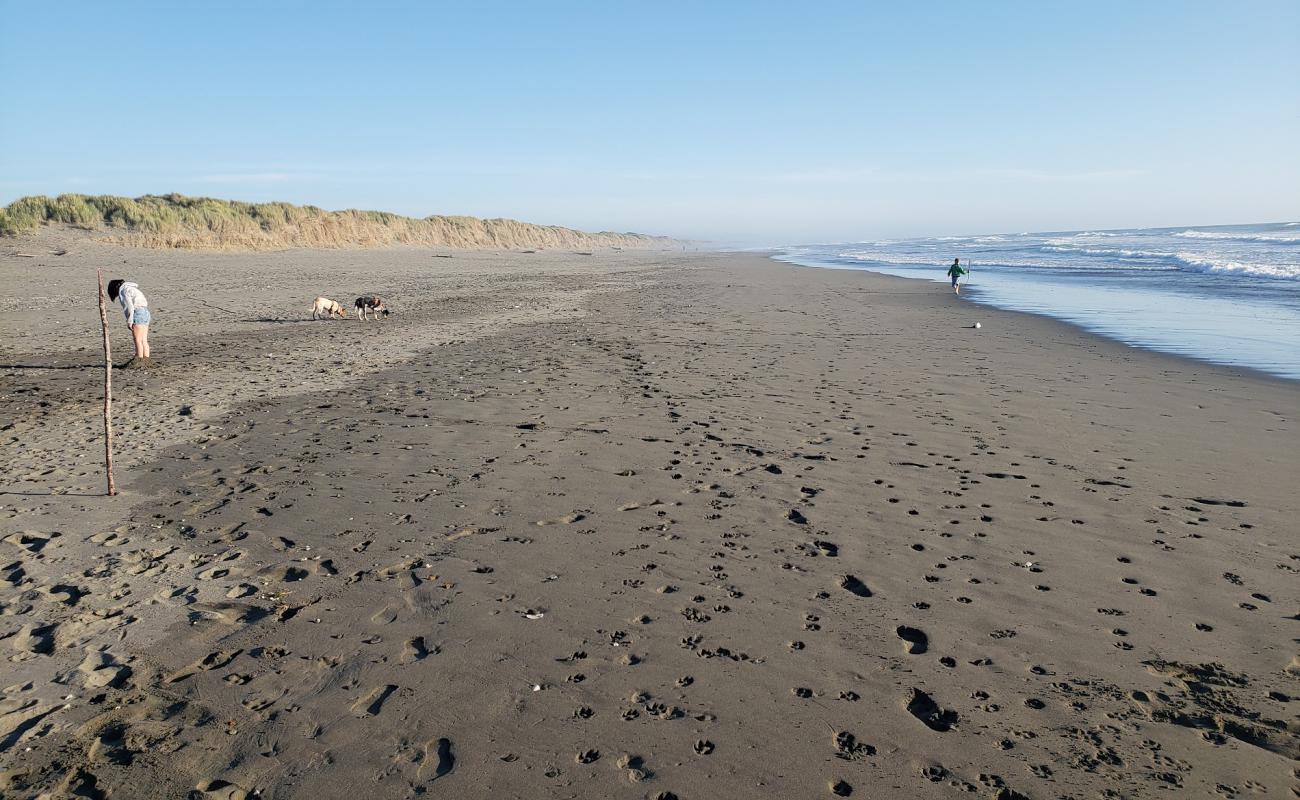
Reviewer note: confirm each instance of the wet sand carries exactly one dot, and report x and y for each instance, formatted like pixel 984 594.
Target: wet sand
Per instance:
pixel 633 525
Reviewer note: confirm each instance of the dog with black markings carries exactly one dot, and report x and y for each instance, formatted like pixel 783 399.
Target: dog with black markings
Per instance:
pixel 369 303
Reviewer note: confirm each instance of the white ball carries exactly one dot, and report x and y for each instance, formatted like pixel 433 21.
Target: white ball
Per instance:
pixel 977 324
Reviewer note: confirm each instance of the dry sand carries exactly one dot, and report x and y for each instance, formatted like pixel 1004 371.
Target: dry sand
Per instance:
pixel 640 525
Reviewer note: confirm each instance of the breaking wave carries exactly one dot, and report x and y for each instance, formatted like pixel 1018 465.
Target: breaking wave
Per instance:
pixel 1239 237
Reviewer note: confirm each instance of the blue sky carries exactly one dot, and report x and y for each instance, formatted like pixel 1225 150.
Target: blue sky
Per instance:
pixel 751 122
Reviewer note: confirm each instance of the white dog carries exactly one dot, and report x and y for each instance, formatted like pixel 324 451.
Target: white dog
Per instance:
pixel 325 308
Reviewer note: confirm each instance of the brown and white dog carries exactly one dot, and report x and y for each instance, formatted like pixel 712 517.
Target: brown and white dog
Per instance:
pixel 370 303
pixel 325 308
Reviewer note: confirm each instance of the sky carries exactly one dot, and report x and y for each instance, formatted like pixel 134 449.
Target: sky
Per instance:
pixel 750 122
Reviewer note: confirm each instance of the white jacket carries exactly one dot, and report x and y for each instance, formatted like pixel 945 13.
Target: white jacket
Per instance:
pixel 131 298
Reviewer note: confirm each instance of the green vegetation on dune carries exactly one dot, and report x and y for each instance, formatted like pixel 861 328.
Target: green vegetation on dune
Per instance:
pixel 150 213
pixel 167 221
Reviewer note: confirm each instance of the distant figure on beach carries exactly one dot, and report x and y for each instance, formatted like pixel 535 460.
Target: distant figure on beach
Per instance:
pixel 136 308
pixel 955 272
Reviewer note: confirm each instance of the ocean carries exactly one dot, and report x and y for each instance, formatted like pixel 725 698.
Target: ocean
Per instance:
pixel 1229 294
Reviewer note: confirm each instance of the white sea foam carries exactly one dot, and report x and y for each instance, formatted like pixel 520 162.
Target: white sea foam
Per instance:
pixel 1113 252
pixel 939 263
pixel 1245 253
pixel 1067 243
pixel 1199 262
pixel 1123 260
pixel 1240 237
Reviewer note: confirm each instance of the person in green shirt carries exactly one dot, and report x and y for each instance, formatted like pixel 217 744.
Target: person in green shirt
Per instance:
pixel 955 272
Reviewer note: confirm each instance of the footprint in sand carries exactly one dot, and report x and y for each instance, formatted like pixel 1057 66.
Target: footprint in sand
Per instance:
pixel 219 790
pixel 438 758
pixel 635 766
pixel 261 701
pixel 642 504
pixel 416 650
pixel 213 573
pixel 214 660
pixel 373 702
pixel 923 707
pixel 917 641
pixel 35 638
pixel 100 669
pixel 384 616
pixel 567 519
pixel 853 585
pixel 849 748
pixel 828 549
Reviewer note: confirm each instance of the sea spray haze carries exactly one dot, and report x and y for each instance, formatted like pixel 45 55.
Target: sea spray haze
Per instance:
pixel 1224 293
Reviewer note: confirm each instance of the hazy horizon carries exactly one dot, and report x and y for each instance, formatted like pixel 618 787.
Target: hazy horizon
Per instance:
pixel 736 123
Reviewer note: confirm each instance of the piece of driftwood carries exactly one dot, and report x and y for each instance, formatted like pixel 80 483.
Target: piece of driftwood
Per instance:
pixel 108 391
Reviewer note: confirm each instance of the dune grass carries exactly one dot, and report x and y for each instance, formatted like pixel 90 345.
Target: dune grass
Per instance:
pixel 176 221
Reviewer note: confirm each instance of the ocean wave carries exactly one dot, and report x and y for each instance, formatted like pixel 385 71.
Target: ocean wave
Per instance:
pixel 1239 237
pixel 1070 241
pixel 1188 261
pixel 1197 262
pixel 1229 253
pixel 1094 260
pixel 992 261
pixel 893 258
pixel 1109 251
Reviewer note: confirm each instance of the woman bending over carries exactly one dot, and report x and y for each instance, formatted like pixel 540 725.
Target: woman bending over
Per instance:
pixel 136 308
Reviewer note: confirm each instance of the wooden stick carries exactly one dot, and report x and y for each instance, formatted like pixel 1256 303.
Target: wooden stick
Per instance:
pixel 108 391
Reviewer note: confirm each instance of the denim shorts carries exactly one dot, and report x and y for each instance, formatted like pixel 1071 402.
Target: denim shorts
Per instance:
pixel 140 316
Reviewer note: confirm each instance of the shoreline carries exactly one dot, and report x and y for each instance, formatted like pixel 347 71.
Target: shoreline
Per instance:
pixel 1096 328
pixel 1235 370
pixel 571 466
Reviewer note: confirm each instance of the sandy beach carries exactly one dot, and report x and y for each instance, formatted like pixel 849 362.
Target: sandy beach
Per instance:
pixel 634 524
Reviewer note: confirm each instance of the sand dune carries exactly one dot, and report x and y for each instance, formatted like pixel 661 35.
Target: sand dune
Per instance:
pixel 202 223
